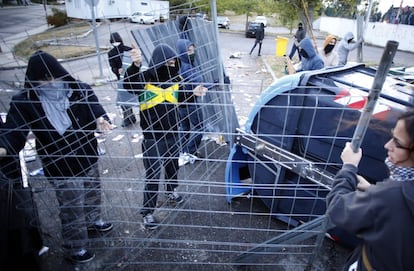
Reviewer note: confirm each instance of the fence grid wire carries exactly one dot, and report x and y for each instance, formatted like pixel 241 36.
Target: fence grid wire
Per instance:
pixel 242 208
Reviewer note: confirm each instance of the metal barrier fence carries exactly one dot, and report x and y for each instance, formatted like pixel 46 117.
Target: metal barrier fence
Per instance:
pixel 242 208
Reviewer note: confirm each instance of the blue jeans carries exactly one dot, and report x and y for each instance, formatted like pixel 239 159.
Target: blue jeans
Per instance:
pixel 293 51
pixel 191 126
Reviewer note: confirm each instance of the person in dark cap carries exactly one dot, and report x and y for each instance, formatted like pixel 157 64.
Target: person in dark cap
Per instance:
pixel 62 113
pixel 115 57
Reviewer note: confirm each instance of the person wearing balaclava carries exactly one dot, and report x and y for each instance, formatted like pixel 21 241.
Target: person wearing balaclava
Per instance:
pixel 259 36
pixel 115 57
pixel 191 116
pixel 310 59
pixel 298 37
pixel 62 113
pixel 345 46
pixel 158 89
pixel 328 53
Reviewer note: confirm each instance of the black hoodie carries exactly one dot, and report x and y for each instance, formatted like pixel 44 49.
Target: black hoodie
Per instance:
pixel 70 154
pixel 161 118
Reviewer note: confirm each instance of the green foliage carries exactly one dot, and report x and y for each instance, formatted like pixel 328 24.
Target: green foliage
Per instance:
pixel 341 8
pixel 58 18
pixel 293 11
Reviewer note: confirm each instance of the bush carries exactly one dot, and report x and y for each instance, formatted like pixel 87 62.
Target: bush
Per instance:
pixel 58 18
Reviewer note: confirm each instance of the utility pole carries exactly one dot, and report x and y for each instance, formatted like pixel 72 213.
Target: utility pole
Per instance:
pixel 93 4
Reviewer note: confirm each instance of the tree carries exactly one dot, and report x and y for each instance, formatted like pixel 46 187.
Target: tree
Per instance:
pixel 291 11
pixel 342 8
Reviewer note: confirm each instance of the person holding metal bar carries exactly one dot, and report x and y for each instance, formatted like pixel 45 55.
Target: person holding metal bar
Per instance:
pixel 382 215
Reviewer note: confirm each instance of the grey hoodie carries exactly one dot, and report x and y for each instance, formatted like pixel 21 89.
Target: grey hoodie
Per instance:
pixel 345 46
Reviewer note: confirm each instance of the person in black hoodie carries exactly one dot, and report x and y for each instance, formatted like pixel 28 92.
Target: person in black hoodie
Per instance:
pixel 382 215
pixel 115 56
pixel 259 39
pixel 157 88
pixel 62 113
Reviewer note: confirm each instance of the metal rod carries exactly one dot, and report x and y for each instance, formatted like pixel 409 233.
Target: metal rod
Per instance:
pixel 374 93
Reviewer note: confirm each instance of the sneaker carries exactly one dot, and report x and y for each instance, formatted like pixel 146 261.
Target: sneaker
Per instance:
pixel 150 222
pixel 175 197
pixel 186 158
pixel 83 256
pixel 100 226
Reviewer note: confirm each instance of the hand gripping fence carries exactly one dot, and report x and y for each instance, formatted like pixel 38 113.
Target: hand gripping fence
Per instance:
pixel 305 168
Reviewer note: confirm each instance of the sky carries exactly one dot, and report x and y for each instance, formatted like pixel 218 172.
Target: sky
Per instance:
pixel 386 4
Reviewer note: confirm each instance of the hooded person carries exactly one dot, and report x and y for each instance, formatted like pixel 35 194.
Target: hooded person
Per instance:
pixel 310 59
pixel 62 113
pixel 327 52
pixel 345 46
pixel 115 59
pixel 191 117
pixel 158 90
pixel 298 37
pixel 259 36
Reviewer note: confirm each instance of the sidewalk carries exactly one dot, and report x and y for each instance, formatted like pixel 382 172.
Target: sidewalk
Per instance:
pixel 8 59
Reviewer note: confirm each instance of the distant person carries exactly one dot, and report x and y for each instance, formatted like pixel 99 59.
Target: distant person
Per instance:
pixel 184 26
pixel 158 90
pixel 115 56
pixel 403 18
pixel 191 115
pixel 298 37
pixel 345 46
pixel 310 59
pixel 259 36
pixel 328 52
pixel 63 114
pixel 381 215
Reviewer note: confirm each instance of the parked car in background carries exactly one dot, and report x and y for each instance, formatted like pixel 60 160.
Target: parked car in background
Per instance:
pixel 223 22
pixel 201 16
pixel 142 18
pixel 261 19
pixel 251 29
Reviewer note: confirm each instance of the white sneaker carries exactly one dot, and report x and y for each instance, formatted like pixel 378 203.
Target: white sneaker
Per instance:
pixel 186 158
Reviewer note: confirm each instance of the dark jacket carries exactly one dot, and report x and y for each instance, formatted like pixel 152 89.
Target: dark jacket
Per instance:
pixel 383 216
pixel 260 32
pixel 116 53
pixel 300 34
pixel 313 61
pixel 190 74
pixel 70 154
pixel 159 118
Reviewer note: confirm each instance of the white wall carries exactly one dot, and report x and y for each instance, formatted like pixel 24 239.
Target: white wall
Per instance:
pixel 108 9
pixel 375 34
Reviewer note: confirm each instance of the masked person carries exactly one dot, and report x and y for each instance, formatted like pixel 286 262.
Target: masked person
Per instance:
pixel 382 215
pixel 298 37
pixel 345 46
pixel 191 116
pixel 259 36
pixel 115 56
pixel 310 59
pixel 158 90
pixel 327 52
pixel 62 113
